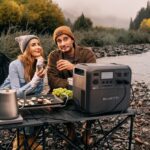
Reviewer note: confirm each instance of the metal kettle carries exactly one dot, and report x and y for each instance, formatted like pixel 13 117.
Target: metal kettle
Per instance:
pixel 8 104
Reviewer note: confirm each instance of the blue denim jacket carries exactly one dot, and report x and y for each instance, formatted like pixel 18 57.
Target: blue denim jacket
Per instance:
pixel 16 80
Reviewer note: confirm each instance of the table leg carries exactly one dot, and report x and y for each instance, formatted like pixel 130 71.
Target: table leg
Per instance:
pixel 26 145
pixel 41 129
pixel 108 135
pixel 60 134
pixel 17 137
pixel 101 127
pixel 131 131
pixel 43 138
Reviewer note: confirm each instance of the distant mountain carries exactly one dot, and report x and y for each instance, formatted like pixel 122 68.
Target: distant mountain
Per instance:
pixel 109 21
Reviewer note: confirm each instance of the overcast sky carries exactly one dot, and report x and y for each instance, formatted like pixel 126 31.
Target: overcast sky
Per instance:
pixel 115 13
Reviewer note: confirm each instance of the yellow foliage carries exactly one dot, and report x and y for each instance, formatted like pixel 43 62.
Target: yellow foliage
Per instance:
pixel 10 11
pixel 145 24
pixel 39 15
pixel 43 13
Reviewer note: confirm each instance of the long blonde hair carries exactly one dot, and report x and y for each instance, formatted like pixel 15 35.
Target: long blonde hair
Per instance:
pixel 29 63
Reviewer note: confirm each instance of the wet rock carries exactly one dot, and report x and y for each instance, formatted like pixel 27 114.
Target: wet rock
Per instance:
pixel 119 50
pixel 138 140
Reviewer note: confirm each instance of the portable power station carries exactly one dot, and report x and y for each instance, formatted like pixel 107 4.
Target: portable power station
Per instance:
pixel 101 88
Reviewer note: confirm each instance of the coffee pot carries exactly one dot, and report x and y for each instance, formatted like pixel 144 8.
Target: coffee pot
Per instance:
pixel 8 104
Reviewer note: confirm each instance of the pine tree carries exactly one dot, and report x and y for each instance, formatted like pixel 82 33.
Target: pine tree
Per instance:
pixel 131 26
pixel 82 23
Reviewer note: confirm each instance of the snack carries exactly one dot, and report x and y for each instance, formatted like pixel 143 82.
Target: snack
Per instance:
pixel 40 101
pixel 63 93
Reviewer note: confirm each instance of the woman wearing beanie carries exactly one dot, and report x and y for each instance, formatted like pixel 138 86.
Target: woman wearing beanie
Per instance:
pixel 26 77
pixel 61 63
pixel 23 75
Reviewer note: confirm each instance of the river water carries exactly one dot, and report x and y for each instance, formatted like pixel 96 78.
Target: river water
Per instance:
pixel 139 64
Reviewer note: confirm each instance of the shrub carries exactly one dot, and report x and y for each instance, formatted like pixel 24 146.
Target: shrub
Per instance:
pixel 138 37
pixel 92 38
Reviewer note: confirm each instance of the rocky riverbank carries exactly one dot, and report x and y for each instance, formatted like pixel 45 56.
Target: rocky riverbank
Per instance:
pixel 141 103
pixel 120 50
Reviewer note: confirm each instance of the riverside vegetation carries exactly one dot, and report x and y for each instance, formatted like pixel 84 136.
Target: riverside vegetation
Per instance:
pixel 109 40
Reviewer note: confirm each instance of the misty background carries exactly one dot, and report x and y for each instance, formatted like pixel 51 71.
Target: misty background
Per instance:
pixel 108 13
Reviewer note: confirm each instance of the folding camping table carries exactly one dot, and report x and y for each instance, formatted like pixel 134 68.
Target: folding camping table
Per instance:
pixel 44 118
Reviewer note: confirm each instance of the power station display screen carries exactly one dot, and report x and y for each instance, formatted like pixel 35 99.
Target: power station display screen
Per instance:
pixel 106 75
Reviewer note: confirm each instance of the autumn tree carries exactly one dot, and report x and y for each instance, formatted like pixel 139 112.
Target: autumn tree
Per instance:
pixel 10 13
pixel 43 15
pixel 82 23
pixel 40 16
pixel 143 13
pixel 145 25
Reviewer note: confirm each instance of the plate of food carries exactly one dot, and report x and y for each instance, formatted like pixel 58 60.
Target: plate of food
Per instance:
pixel 63 93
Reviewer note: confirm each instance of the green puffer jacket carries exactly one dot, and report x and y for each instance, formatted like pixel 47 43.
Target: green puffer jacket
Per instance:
pixel 58 78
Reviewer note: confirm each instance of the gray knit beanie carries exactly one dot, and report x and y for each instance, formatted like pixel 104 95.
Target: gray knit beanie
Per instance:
pixel 23 41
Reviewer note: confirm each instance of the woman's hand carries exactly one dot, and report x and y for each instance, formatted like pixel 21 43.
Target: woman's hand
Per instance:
pixel 40 64
pixel 41 73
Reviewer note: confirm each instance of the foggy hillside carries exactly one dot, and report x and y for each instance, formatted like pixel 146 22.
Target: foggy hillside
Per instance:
pixel 107 13
pixel 109 21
